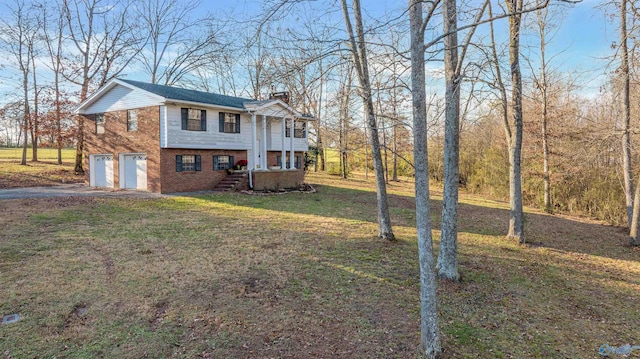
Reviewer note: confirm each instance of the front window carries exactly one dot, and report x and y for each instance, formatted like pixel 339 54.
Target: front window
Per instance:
pixel 222 162
pixel 132 120
pixel 229 122
pixel 299 129
pixel 100 123
pixel 188 163
pixel 194 119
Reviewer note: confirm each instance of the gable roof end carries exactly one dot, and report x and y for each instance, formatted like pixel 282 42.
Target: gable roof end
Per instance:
pixel 103 90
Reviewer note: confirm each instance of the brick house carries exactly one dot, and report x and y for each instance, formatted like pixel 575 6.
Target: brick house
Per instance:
pixel 167 139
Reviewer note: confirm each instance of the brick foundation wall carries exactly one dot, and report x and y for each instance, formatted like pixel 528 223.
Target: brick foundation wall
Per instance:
pixel 273 180
pixel 117 140
pixel 206 179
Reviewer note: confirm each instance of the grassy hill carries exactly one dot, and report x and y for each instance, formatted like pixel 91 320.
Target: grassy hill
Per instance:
pixel 302 275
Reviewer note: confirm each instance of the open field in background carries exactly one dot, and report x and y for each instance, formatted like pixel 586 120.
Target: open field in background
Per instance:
pixel 301 276
pixel 44 154
pixel 45 172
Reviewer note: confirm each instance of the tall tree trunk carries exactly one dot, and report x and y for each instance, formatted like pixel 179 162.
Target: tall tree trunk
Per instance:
pixel 58 117
pixel 384 141
pixel 27 114
pixel 544 91
pixel 395 149
pixel 366 151
pixel 516 218
pixel 395 127
pixel 429 330
pixel 633 233
pixel 545 160
pixel 320 144
pixel 448 259
pixel 359 52
pixel 35 118
pixel 626 112
pixel 345 99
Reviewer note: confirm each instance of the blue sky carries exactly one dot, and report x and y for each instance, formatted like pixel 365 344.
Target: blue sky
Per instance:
pixel 583 42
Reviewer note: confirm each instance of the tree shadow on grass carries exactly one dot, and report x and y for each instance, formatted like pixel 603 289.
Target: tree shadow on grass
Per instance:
pixel 541 230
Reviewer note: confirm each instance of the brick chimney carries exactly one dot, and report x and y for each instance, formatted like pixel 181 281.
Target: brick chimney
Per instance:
pixel 282 96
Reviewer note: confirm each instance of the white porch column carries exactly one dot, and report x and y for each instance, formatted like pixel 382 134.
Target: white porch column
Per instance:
pixel 253 161
pixel 283 155
pixel 292 157
pixel 263 153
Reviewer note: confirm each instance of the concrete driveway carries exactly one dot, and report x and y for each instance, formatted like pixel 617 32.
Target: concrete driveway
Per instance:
pixel 67 190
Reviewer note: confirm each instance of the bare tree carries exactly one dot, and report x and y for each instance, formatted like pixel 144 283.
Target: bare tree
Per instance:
pixel 360 61
pixel 34 118
pixel 53 42
pixel 626 109
pixel 448 259
pixel 430 332
pixel 178 43
pixel 19 39
pixel 543 24
pixel 12 118
pixel 344 120
pixel 105 41
pixel 516 220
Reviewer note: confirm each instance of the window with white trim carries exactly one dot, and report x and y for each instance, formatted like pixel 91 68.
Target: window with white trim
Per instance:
pixel 99 123
pixel 132 120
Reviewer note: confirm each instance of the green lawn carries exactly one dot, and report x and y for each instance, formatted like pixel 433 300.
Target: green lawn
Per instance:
pixel 45 172
pixel 301 276
pixel 44 154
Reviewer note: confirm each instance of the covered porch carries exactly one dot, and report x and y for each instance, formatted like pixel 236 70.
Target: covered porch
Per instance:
pixel 278 143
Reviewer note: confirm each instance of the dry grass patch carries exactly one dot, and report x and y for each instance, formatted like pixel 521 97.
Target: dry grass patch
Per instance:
pixel 34 174
pixel 301 276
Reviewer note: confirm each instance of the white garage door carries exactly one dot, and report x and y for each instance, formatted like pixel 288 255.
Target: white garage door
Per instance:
pixel 135 171
pixel 102 170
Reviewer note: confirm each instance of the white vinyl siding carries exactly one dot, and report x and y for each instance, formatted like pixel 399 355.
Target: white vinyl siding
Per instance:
pixel 299 144
pixel 163 127
pixel 122 98
pixel 210 139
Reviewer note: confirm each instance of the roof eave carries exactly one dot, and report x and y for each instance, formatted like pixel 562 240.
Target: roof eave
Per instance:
pixel 194 103
pixel 110 85
pixel 267 104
